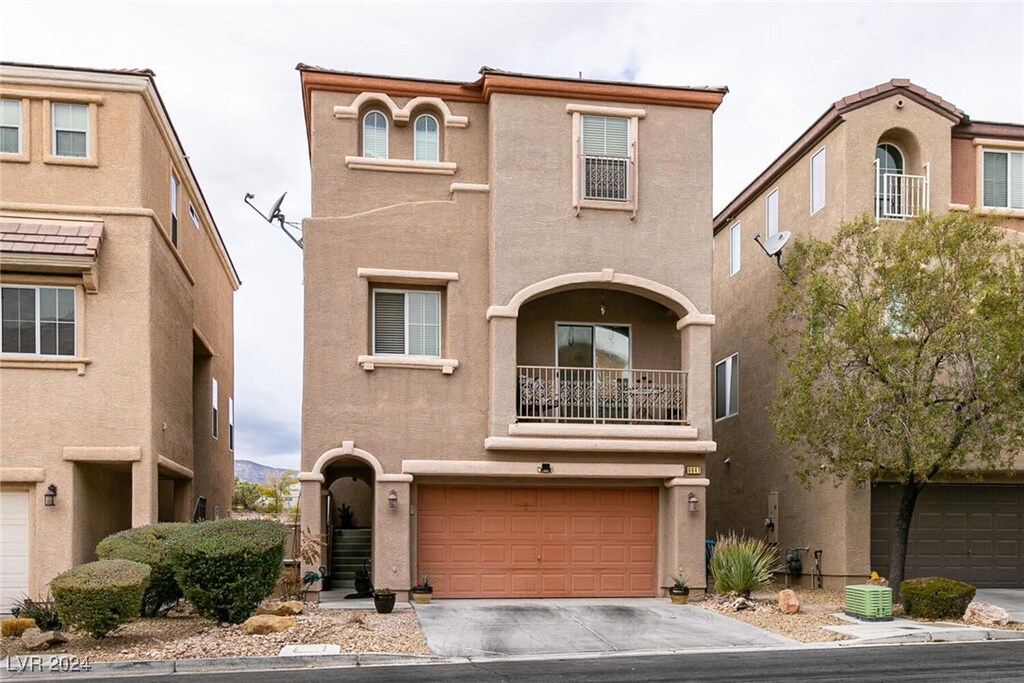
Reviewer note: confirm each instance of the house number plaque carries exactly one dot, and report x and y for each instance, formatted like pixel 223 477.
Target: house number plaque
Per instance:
pixel 693 469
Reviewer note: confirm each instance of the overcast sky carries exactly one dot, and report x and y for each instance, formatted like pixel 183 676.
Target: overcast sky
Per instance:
pixel 226 72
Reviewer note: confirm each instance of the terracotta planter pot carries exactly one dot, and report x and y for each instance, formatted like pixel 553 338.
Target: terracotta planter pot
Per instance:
pixel 678 597
pixel 384 603
pixel 421 595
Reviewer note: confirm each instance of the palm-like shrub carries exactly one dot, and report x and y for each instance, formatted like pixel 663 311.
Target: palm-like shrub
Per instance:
pixel 148 545
pixel 740 564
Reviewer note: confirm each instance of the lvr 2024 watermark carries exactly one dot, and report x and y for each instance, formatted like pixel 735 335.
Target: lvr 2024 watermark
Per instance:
pixel 54 664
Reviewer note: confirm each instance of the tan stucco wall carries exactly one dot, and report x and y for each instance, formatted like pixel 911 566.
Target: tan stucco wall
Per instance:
pixel 833 518
pixel 135 332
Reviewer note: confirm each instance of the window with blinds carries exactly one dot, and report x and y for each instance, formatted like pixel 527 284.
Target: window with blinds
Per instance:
pixel 426 139
pixel 70 130
pixel 605 153
pixel 375 135
pixel 818 180
pixel 407 323
pixel 1003 181
pixel 771 214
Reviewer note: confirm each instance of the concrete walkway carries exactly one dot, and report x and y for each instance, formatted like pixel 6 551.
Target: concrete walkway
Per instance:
pixel 908 631
pixel 496 628
pixel 1010 599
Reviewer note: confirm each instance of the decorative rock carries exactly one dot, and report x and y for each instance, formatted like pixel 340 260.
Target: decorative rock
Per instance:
pixel 788 602
pixel 986 614
pixel 281 609
pixel 262 624
pixel 34 639
pixel 741 603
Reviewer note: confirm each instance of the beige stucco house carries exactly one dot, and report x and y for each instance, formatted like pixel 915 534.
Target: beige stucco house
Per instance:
pixel 508 331
pixel 116 371
pixel 892 151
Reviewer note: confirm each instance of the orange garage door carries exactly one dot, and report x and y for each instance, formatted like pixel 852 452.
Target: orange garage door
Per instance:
pixel 502 542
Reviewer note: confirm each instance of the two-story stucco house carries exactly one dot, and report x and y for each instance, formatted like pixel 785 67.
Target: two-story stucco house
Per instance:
pixel 508 330
pixel 117 368
pixel 892 151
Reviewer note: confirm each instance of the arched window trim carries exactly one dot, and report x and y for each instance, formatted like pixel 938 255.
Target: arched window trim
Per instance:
pixel 387 141
pixel 416 133
pixel 903 156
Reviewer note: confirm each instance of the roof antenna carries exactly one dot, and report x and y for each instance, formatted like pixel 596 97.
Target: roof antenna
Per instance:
pixel 277 215
pixel 581 75
pixel 772 246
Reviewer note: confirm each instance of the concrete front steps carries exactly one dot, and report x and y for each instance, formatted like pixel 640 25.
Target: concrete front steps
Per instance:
pixel 350 547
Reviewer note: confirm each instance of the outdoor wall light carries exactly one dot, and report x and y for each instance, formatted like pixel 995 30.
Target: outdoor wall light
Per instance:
pixel 50 497
pixel 692 501
pixel 393 499
pixel 545 468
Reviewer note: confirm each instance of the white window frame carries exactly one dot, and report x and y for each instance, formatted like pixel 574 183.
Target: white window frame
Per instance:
pixel 633 117
pixel 813 186
pixel 405 322
pixel 174 209
pixel 37 353
pixel 55 129
pixel 416 134
pixel 735 251
pixel 387 134
pixel 216 407
pixel 1009 178
pixel 20 126
pixel 769 214
pixel 731 366
pixel 231 423
pixel 193 215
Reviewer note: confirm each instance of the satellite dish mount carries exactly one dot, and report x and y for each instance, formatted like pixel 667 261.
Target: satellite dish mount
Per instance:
pixel 773 245
pixel 277 216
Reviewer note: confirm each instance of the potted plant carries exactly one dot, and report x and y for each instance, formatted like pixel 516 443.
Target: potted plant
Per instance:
pixel 679 592
pixel 422 591
pixel 383 600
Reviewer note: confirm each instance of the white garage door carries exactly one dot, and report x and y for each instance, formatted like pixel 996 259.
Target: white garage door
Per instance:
pixel 13 547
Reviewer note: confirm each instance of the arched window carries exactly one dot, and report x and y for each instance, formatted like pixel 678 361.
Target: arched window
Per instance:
pixel 891 200
pixel 375 135
pixel 890 158
pixel 426 139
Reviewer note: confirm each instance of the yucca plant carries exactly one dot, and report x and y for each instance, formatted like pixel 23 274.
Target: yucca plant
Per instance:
pixel 740 564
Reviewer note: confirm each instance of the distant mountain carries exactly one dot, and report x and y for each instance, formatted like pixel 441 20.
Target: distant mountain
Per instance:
pixel 247 470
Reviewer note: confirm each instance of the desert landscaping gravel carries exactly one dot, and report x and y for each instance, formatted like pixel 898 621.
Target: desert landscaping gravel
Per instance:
pixel 816 610
pixel 189 637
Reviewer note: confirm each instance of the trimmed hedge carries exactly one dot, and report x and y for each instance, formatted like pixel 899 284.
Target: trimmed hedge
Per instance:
pixel 148 545
pixel 100 596
pixel 227 567
pixel 935 597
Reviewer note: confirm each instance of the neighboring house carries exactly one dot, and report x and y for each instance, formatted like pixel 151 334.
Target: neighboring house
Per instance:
pixel 892 151
pixel 508 330
pixel 117 365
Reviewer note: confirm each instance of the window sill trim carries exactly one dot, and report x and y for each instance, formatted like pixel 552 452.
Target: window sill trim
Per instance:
pixel 401 165
pixel 15 157
pixel 445 365
pixel 989 210
pixel 70 161
pixel 607 206
pixel 45 362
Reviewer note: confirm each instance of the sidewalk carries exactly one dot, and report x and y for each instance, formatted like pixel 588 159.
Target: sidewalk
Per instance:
pixel 907 631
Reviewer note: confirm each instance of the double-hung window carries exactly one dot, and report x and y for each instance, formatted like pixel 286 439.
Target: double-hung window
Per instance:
pixel 426 138
pixel 727 387
pixel 216 408
pixel 231 423
pixel 1003 180
pixel 605 161
pixel 194 215
pixel 174 210
pixel 407 323
pixel 734 249
pixel 38 321
pixel 818 180
pixel 70 130
pixel 375 135
pixel 10 126
pixel 771 214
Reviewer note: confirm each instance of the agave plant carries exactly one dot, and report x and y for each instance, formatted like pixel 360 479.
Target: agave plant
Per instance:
pixel 740 564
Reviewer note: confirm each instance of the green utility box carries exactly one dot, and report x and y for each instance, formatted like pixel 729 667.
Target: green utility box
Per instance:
pixel 869 603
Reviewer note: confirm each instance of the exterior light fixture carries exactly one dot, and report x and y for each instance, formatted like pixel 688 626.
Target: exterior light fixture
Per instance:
pixel 50 497
pixel 393 499
pixel 545 468
pixel 692 501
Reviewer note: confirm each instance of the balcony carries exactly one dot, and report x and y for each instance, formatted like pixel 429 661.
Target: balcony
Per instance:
pixel 900 196
pixel 600 396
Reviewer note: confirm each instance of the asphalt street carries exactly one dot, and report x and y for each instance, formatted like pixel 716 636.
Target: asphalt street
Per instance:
pixel 978 662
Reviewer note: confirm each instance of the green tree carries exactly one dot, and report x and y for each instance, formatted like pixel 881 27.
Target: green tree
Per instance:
pixel 904 350
pixel 246 495
pixel 275 490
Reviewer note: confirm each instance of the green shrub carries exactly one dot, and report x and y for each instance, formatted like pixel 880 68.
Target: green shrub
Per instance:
pixel 15 626
pixel 934 597
pixel 100 596
pixel 740 564
pixel 227 567
pixel 148 545
pixel 43 612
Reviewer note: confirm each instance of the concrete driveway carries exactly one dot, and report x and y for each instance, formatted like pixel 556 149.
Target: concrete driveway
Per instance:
pixel 1010 599
pixel 489 628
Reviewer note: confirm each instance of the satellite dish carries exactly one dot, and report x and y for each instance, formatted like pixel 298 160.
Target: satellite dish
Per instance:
pixel 275 210
pixel 774 244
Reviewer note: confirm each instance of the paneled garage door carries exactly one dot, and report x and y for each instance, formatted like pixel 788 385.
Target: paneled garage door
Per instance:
pixel 481 541
pixel 13 547
pixel 972 533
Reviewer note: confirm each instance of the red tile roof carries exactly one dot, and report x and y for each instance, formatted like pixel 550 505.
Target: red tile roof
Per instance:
pixel 78 239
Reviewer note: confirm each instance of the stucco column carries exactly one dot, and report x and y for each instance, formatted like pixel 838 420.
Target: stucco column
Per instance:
pixel 684 544
pixel 696 356
pixel 503 375
pixel 145 492
pixel 310 513
pixel 392 567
